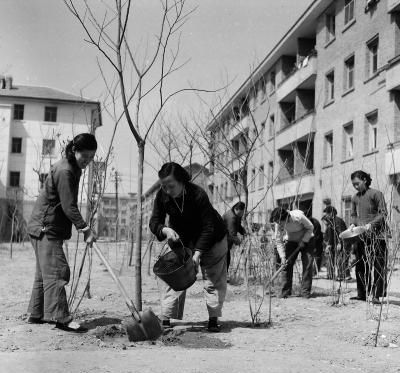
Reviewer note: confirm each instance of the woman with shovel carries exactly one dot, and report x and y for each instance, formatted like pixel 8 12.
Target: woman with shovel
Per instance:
pixel 53 215
pixel 194 221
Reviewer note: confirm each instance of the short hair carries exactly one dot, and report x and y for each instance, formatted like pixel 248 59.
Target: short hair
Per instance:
pixel 362 175
pixel 278 214
pixel 330 210
pixel 239 205
pixel 176 170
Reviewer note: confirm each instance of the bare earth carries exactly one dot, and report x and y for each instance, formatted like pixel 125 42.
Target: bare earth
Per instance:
pixel 306 335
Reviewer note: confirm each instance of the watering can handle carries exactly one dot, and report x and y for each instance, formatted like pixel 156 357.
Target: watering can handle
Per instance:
pixel 128 301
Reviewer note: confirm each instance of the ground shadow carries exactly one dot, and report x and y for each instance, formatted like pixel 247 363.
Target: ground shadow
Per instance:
pixel 394 302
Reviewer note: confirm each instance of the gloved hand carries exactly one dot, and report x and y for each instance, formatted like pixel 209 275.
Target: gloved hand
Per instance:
pixel 368 227
pixel 170 234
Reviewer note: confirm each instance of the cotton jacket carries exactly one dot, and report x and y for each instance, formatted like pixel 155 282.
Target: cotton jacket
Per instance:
pixel 369 207
pixel 233 224
pixel 56 208
pixel 297 228
pixel 198 224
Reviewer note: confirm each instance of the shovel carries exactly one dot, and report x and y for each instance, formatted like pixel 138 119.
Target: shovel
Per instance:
pixel 145 325
pixel 282 267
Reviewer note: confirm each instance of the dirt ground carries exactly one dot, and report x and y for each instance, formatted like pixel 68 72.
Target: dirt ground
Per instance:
pixel 306 335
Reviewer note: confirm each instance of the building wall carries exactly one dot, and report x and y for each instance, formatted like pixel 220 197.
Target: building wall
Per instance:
pixel 72 119
pixel 315 117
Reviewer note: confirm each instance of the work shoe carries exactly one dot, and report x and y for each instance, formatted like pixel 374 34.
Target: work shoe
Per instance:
pixel 358 298
pixel 35 320
pixel 72 327
pixel 213 326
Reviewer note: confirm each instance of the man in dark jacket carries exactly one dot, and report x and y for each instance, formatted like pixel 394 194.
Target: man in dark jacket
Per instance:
pixel 233 223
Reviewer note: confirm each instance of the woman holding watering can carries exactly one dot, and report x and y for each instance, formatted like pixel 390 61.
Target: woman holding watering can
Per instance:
pixel 53 215
pixel 194 221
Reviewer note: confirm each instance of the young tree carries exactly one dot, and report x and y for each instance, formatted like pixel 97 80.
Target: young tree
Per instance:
pixel 140 78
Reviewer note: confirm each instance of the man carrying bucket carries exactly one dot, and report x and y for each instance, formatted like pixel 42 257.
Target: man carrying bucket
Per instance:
pixel 194 221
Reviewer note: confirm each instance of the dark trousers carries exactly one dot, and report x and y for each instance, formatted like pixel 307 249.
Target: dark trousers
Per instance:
pixel 48 300
pixel 228 255
pixel 307 261
pixel 371 253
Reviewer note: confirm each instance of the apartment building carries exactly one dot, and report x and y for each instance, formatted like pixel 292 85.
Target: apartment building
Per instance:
pixel 324 102
pixel 115 220
pixel 35 125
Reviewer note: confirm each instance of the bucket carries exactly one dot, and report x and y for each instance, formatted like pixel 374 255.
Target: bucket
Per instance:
pixel 176 267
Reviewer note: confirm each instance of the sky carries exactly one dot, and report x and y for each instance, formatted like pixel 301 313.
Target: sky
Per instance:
pixel 42 44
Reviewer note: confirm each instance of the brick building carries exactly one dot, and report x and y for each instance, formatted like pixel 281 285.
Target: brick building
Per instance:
pixel 324 102
pixel 35 125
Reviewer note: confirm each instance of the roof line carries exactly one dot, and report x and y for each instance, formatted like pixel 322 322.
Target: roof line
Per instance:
pixel 261 64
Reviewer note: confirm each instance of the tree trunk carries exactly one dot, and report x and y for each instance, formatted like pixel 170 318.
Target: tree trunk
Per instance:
pixel 138 247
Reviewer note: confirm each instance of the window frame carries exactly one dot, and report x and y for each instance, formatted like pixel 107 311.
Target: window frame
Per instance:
pixel 372 56
pixel 348 140
pixel 330 86
pixel 349 70
pixel 12 176
pixel 328 148
pixel 261 177
pixel 19 146
pixel 372 121
pixel 18 109
pixel 50 114
pixel 349 8
pixel 330 23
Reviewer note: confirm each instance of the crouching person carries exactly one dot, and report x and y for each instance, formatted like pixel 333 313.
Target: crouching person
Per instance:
pixel 194 221
pixel 299 233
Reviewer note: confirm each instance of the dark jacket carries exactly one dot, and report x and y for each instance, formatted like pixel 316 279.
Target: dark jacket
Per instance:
pixel 56 208
pixel 199 225
pixel 233 224
pixel 334 227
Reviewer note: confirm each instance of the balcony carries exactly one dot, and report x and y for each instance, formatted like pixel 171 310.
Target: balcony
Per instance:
pixel 392 159
pixel 393 74
pixel 302 77
pixel 294 185
pixel 298 130
pixel 393 6
pixel 240 126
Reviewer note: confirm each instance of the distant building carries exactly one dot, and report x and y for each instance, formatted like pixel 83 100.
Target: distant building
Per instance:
pixel 35 125
pixel 109 221
pixel 325 102
pixel 200 176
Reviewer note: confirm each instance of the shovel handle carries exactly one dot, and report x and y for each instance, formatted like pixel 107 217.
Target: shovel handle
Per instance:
pixel 283 266
pixel 128 301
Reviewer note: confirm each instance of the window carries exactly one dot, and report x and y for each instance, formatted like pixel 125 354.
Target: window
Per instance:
pixel 262 132
pixel 14 179
pixel 50 114
pixel 18 112
pixel 123 221
pixel 372 131
pixel 270 175
pixel 42 179
pixel 217 194
pixel 349 73
pixel 271 125
pixel 330 86
pixel 346 206
pixel 330 27
pixel 348 141
pixel 16 145
pixel 372 56
pixel 48 147
pixel 348 11
pixel 261 177
pixel 253 180
pixel 328 158
pixel 272 81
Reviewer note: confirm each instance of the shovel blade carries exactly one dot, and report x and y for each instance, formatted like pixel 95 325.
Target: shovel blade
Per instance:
pixel 149 322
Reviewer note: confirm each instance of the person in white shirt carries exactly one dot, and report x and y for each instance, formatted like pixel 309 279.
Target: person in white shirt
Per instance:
pixel 294 230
